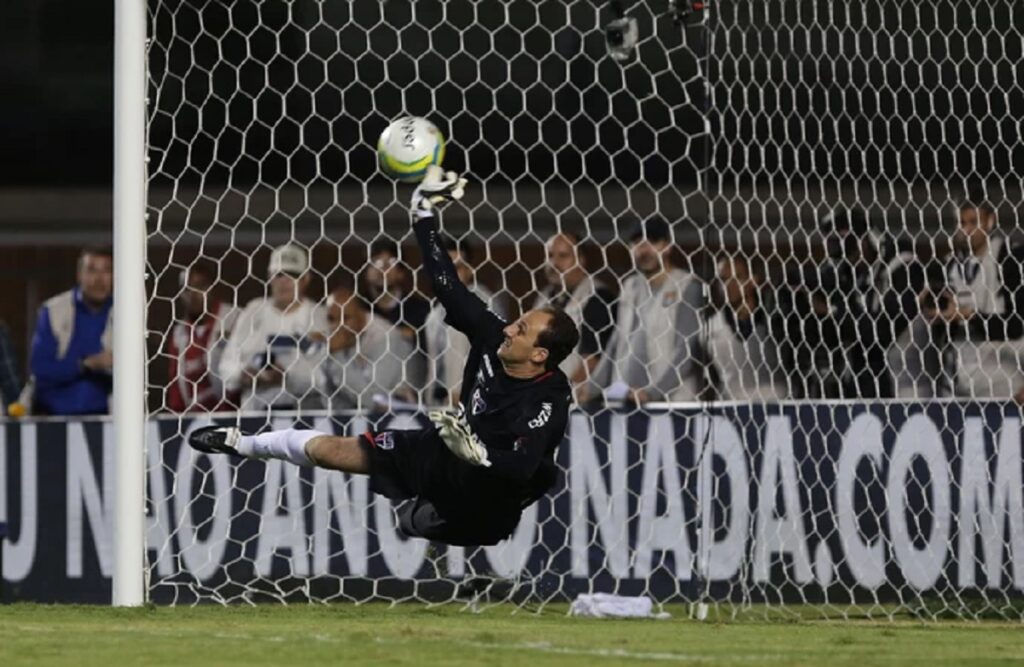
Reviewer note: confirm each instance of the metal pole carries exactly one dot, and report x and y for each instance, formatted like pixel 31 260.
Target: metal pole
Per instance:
pixel 129 406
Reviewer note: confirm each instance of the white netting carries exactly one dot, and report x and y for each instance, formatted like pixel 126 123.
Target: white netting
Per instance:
pixel 812 231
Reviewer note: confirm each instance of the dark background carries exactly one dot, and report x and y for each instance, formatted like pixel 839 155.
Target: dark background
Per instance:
pixel 264 115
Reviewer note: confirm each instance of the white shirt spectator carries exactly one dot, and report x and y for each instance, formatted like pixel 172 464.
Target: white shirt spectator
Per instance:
pixel 590 307
pixel 984 369
pixel 374 365
pixel 264 336
pixel 656 342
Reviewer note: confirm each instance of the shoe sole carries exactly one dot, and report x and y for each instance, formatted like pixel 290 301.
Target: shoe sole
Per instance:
pixel 212 449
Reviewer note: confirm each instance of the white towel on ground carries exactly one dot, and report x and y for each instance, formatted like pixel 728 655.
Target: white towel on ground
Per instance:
pixel 606 605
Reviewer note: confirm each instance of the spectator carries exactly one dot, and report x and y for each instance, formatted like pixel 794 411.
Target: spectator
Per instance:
pixel 839 319
pixel 814 308
pixel 586 300
pixel 202 324
pixel 270 358
pixel 366 355
pixel 447 348
pixel 890 302
pixel 655 351
pixel 969 338
pixel 72 358
pixel 746 363
pixel 387 284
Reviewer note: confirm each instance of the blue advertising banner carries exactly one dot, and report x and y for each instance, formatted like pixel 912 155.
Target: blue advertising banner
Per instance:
pixel 805 502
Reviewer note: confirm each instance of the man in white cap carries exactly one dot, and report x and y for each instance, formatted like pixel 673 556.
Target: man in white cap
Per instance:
pixel 271 357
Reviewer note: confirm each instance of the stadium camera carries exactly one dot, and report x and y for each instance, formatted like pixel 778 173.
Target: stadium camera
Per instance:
pixel 689 14
pixel 621 35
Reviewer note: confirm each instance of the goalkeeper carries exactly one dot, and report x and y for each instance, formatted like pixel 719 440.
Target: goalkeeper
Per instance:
pixel 468 478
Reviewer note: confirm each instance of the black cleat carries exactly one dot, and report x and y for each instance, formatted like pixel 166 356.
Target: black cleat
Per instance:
pixel 216 440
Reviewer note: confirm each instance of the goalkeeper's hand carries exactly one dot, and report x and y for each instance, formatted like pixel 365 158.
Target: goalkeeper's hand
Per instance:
pixel 437 189
pixel 459 438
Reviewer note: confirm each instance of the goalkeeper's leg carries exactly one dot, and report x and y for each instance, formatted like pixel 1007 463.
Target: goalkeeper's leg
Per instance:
pixel 401 464
pixel 299 446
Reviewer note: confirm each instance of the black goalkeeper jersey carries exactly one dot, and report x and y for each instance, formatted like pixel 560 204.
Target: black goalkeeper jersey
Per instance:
pixel 520 422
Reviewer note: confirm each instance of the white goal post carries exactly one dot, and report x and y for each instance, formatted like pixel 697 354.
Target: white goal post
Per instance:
pixel 129 404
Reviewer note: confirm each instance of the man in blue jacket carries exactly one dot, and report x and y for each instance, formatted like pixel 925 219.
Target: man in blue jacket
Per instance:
pixel 71 356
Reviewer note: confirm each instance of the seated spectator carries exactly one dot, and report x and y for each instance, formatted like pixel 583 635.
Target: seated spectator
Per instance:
pixel 968 341
pixel 72 357
pixel 655 352
pixel 746 362
pixel 366 355
pixel 447 349
pixel 271 356
pixel 387 285
pixel 202 324
pixel 839 323
pixel 589 302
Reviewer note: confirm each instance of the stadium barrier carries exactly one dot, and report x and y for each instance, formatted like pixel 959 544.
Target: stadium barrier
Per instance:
pixel 845 503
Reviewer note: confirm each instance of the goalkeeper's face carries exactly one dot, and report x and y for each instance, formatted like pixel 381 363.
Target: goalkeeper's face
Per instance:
pixel 520 344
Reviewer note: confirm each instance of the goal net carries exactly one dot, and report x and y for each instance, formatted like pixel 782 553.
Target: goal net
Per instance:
pixel 830 369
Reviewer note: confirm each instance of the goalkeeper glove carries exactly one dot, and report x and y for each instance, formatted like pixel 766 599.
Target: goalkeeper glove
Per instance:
pixel 457 435
pixel 437 189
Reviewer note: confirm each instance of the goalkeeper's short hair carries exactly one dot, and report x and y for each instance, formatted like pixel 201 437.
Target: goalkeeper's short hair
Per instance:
pixel 559 338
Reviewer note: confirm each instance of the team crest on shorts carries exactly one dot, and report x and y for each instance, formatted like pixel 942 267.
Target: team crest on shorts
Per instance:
pixel 385 440
pixel 478 403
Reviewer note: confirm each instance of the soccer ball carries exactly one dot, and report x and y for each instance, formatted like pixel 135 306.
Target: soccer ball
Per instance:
pixel 408 146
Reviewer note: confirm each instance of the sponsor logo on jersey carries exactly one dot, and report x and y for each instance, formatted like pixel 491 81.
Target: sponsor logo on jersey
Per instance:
pixel 478 403
pixel 385 440
pixel 542 417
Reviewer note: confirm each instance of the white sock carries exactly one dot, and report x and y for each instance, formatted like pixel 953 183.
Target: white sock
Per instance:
pixel 287 445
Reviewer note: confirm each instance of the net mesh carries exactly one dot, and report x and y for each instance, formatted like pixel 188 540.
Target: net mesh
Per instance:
pixel 826 368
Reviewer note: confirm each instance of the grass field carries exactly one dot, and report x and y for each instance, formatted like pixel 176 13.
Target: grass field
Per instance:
pixel 415 635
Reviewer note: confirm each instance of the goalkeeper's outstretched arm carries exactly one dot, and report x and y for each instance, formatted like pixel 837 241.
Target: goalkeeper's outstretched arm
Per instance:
pixel 463 310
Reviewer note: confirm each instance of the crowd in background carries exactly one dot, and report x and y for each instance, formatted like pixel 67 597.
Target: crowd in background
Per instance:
pixel 870 318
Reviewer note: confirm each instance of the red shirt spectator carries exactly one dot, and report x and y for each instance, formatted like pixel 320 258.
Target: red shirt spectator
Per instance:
pixel 196 340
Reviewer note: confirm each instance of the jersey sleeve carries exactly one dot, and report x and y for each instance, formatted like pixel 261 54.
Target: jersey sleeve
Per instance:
pixel 463 310
pixel 539 429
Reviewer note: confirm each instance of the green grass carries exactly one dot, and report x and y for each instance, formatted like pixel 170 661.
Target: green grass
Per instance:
pixel 416 635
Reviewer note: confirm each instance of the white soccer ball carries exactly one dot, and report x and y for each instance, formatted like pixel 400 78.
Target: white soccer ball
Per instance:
pixel 408 146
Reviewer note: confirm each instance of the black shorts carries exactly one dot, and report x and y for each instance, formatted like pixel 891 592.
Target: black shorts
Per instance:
pixel 416 467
